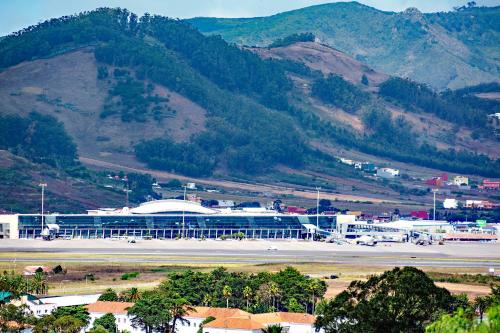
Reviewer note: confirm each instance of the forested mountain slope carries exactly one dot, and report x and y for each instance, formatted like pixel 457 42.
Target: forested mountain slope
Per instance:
pixel 196 105
pixel 445 50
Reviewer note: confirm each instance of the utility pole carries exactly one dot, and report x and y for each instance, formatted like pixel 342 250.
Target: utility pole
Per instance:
pixel 183 212
pixel 43 185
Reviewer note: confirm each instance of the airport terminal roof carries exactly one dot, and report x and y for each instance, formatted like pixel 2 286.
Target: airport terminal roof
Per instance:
pixel 171 206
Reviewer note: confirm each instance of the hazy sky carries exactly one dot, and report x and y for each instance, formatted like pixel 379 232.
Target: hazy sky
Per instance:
pixel 16 14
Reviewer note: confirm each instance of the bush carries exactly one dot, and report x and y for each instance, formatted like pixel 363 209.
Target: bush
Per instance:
pixel 130 275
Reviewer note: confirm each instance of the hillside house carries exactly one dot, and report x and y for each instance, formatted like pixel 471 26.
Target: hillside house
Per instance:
pixel 420 214
pixel 387 173
pixel 481 204
pixel 368 167
pixel 489 185
pixel 450 204
pixel 435 181
pixel 460 180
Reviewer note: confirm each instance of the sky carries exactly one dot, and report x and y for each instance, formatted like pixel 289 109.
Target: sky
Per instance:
pixel 17 14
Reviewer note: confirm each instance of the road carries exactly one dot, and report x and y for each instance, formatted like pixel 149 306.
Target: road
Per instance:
pixel 281 190
pixel 250 252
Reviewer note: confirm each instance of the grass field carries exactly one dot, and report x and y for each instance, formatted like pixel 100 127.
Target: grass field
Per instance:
pixel 109 275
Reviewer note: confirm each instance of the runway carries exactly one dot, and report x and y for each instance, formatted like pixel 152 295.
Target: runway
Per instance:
pixel 250 252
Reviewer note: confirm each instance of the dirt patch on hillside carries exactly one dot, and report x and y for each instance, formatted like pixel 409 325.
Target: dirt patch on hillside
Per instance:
pixel 325 59
pixel 66 87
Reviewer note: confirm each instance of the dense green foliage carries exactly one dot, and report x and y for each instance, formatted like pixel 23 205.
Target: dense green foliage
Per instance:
pixel 159 310
pixel 256 293
pixel 109 296
pixel 458 107
pixel 39 138
pixel 184 158
pixel 480 316
pixel 401 300
pixel 108 322
pixel 337 91
pixel 292 39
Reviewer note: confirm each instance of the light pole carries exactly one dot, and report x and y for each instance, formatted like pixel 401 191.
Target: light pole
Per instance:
pixel 43 185
pixel 183 212
pixel 434 190
pixel 317 208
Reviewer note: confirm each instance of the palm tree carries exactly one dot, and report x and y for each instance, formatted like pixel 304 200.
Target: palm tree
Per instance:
pixel 39 284
pixel 274 292
pixel 227 292
pixel 207 299
pixel 133 294
pixel 314 288
pixel 179 309
pixel 247 294
pixel 272 329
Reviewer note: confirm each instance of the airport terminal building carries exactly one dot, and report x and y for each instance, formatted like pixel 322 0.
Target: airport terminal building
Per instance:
pixel 168 219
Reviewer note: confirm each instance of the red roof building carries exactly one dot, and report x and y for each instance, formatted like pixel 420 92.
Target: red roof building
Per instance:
pixel 436 181
pixel 420 214
pixel 490 185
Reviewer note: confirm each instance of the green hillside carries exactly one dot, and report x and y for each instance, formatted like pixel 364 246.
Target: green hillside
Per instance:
pixel 254 122
pixel 445 50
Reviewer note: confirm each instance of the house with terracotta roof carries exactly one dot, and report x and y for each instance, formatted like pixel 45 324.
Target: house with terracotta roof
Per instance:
pixel 233 324
pixel 254 323
pixel 227 320
pixel 118 309
pixel 295 322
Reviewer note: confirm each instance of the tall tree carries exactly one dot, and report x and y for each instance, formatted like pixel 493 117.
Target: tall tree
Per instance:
pixel 227 292
pixel 151 312
pixel 401 300
pixel 247 294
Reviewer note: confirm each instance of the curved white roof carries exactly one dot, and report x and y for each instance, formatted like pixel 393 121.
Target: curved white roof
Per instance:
pixel 171 206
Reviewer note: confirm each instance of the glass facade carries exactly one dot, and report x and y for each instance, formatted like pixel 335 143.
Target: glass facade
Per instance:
pixel 171 225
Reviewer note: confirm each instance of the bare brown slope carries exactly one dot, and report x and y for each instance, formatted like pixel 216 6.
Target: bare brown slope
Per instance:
pixel 326 59
pixel 66 87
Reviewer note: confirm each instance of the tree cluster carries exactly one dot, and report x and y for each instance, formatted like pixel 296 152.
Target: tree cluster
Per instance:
pixel 459 107
pixel 39 138
pixel 292 39
pixel 286 290
pixel 340 93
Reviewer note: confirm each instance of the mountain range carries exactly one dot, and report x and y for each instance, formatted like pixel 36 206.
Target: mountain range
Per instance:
pixel 109 86
pixel 445 50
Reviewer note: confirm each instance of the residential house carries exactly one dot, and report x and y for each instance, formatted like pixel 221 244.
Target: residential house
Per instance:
pixel 118 309
pixel 420 214
pixel 460 180
pixel 482 204
pixel 435 181
pixel 387 173
pixel 291 323
pixel 490 185
pixel 450 204
pixel 227 320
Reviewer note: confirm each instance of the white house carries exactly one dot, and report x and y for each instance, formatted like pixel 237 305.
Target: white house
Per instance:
pixel 387 173
pixel 227 320
pixel 460 180
pixel 291 322
pixel 450 204
pixel 118 309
